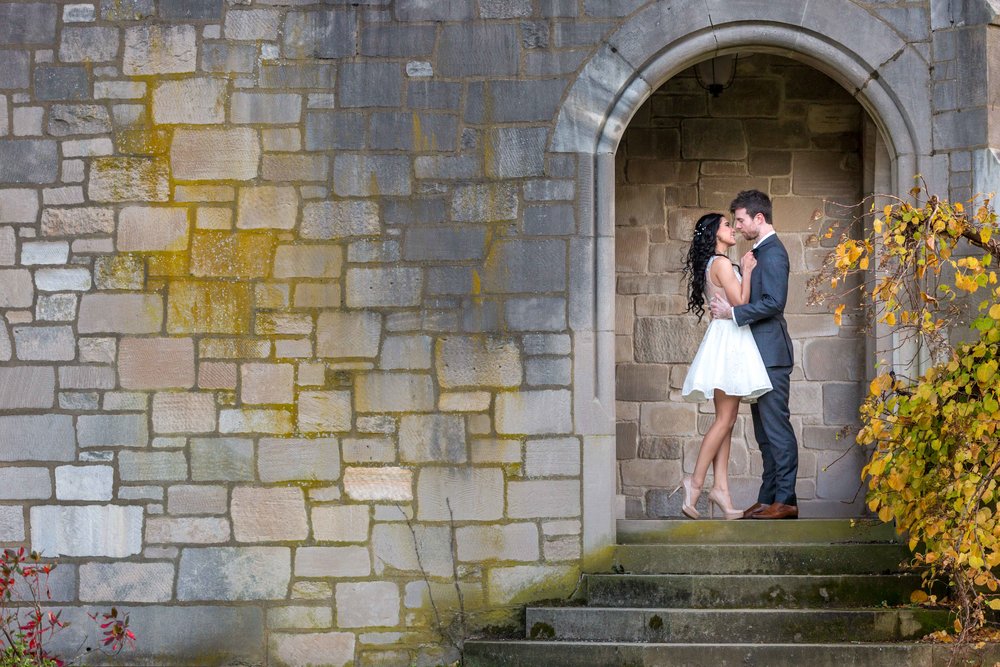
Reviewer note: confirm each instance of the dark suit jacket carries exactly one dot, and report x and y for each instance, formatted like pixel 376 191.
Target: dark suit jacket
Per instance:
pixel 766 311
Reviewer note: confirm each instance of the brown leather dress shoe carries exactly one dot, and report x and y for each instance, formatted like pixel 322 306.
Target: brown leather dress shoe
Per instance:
pixel 753 509
pixel 777 511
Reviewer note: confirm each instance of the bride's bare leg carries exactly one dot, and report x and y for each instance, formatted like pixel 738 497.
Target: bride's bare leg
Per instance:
pixel 718 438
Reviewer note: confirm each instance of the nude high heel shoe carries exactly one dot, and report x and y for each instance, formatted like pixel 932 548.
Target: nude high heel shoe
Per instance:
pixel 716 497
pixel 687 507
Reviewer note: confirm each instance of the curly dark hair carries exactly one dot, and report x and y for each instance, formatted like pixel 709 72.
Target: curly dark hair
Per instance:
pixel 701 249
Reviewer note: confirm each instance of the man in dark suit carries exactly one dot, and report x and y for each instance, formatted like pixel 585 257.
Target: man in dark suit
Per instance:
pixel 765 314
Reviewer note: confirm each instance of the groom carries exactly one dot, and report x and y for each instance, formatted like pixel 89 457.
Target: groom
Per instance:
pixel 765 314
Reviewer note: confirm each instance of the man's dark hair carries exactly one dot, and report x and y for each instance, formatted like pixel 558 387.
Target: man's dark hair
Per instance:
pixel 754 201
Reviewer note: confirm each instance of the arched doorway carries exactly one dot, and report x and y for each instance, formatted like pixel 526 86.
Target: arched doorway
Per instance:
pixel 790 131
pixel 887 76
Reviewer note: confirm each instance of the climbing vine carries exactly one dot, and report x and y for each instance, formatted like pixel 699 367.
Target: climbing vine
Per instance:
pixel 928 276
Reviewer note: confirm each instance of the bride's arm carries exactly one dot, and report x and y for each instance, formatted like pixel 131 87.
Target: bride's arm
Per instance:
pixel 722 275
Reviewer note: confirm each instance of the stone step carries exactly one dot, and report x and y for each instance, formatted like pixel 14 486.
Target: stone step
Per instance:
pixel 479 653
pixel 801 531
pixel 749 591
pixel 728 626
pixel 760 559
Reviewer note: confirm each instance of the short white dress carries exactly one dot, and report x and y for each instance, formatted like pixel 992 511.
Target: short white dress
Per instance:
pixel 728 358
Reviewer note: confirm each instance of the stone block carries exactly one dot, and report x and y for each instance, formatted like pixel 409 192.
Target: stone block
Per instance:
pixel 265 108
pixel 525 266
pixel 19 205
pixel 183 412
pixel 126 582
pixel 214 154
pixel 668 419
pixel 556 457
pixel 90 44
pixel 208 307
pixel 226 57
pixel 58 280
pixel 268 514
pixel 393 392
pixel 223 254
pixel 28 161
pixel 516 152
pixel 406 353
pixel 252 24
pixel 339 219
pixel 203 530
pixel 87 377
pixel 488 50
pixel 397 41
pixel 379 484
pixel 27 23
pixel 396 548
pixel 356 175
pixel 159 49
pixel 112 430
pixel 384 287
pixel 115 179
pixel 533 412
pixel 221 459
pixel 370 84
pixel 267 206
pixel 432 438
pixel 120 313
pixel 266 383
pixel 536 313
pixel 197 499
pixel 149 229
pixel 324 411
pixel 42 253
pixel 539 372
pixel 156 363
pixel 290 74
pixel 16 288
pixel 367 604
pixel 308 261
pixel 516 541
pixel 190 9
pixel 299 617
pixel 642 382
pixel 53 307
pixel 543 499
pixel 15 74
pixel 234 573
pixel 26 387
pixel 320 34
pixel 33 343
pixel 326 648
pixel 134 466
pixel 474 494
pixel 111 531
pixel 21 483
pixel 70 119
pixel 666 340
pixel 11 523
pixel 368 450
pixel 344 523
pixel 332 562
pixel 334 130
pixel 841 401
pixel 192 101
pixel 295 167
pixel 346 335
pixel 61 83
pixel 474 361
pixel 35 437
pixel 298 459
pixel 65 221
pixel 419 132
pixel 509 585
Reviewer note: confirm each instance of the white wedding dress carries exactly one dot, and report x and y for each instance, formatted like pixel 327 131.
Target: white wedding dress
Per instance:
pixel 727 359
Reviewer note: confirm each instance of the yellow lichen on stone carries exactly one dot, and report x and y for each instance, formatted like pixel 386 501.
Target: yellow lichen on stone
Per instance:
pixel 231 255
pixel 208 307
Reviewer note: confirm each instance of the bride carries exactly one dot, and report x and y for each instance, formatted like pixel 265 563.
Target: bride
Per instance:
pixel 727 367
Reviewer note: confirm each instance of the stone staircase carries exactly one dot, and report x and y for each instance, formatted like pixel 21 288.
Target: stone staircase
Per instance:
pixel 808 592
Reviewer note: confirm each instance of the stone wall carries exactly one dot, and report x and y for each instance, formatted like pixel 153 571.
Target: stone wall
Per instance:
pixel 293 291
pixel 787 130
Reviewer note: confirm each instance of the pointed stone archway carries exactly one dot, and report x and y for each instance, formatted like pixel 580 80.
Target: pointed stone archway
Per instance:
pixel 888 77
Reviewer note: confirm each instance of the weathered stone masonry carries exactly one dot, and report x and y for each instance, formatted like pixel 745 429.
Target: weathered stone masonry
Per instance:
pixel 288 288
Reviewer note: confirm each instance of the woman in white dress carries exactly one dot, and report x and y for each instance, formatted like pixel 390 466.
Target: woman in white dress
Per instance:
pixel 727 367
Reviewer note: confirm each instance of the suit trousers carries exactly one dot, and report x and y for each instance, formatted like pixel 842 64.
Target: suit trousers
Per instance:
pixel 776 439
